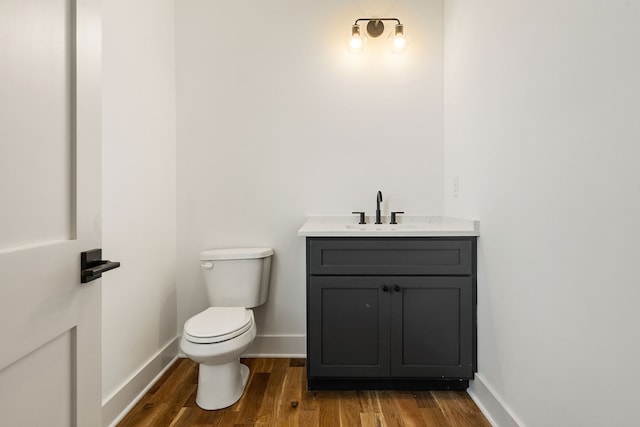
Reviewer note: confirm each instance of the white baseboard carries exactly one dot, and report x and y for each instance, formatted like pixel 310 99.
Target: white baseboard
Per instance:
pixel 278 346
pixel 116 406
pixel 491 404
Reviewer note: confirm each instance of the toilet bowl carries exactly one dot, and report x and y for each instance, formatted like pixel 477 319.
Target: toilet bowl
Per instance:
pixel 237 279
pixel 221 376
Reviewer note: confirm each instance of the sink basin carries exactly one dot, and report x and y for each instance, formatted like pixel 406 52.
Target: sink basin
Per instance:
pixel 381 227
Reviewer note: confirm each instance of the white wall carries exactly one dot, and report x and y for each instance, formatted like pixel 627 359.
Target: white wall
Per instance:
pixel 541 125
pixel 277 120
pixel 139 211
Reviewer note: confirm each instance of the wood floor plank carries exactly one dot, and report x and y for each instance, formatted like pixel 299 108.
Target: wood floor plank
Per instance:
pixel 191 401
pixel 329 407
pixel 391 415
pixel 191 417
pixel 143 417
pixel 288 405
pixel 270 402
pixel 226 419
pixel 425 399
pixel 350 409
pixel 297 363
pixel 175 381
pixel 309 398
pixel 368 401
pixel 407 406
pixel 308 418
pixel 459 410
pixel 250 403
pixel 167 374
pixel 370 419
pixel 272 387
pixel 164 399
pixel 263 365
pixel 429 409
pixel 173 406
pixel 179 417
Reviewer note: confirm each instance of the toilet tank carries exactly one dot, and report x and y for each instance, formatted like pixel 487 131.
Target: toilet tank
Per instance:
pixel 237 277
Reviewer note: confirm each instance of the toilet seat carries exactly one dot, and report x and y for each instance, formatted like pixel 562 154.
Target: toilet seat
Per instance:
pixel 217 324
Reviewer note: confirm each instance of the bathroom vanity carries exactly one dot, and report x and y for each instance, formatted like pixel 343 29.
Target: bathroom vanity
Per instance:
pixel 390 306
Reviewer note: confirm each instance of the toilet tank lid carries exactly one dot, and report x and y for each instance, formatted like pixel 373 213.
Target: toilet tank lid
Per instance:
pixel 235 253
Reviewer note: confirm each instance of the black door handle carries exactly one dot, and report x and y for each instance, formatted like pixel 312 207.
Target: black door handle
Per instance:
pixel 92 265
pixel 385 288
pixel 396 288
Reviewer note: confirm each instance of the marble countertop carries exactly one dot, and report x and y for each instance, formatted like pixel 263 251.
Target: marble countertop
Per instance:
pixel 408 225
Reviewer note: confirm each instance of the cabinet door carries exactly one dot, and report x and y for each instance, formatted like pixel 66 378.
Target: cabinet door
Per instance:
pixel 432 324
pixel 348 327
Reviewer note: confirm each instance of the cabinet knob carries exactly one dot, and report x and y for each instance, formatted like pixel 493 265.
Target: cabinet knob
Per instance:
pixel 396 288
pixel 385 288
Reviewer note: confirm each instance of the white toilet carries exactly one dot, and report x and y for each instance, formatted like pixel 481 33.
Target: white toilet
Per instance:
pixel 236 280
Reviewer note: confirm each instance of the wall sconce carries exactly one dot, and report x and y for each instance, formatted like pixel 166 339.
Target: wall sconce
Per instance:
pixel 375 28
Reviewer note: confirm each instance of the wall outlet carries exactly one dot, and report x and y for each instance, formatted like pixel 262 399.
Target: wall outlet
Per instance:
pixel 455 188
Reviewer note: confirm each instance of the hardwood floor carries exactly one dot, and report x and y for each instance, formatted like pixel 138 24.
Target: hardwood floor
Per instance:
pixel 276 395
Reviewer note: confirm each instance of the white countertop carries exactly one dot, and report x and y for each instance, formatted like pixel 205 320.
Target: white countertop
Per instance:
pixel 416 226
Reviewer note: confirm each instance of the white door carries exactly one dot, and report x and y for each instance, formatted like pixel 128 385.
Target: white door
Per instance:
pixel 50 61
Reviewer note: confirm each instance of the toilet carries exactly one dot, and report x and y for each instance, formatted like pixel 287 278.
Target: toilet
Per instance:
pixel 236 280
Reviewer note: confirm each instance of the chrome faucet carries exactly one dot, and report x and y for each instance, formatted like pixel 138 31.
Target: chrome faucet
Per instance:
pixel 378 200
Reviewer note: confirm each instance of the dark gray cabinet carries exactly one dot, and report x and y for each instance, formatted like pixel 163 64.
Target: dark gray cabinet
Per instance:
pixel 391 312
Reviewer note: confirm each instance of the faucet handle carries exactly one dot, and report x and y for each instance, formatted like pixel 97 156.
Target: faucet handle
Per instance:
pixel 393 217
pixel 362 221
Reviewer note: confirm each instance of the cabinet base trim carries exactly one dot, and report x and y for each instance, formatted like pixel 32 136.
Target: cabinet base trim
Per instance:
pixel 385 384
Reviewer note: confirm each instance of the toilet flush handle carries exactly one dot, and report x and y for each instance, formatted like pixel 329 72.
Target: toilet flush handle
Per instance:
pixel 208 265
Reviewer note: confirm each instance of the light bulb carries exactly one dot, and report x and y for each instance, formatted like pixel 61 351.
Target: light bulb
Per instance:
pixel 399 40
pixel 356 42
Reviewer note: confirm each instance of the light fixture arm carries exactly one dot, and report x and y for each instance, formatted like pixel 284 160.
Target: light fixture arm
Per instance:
pixel 375 27
pixel 376 19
